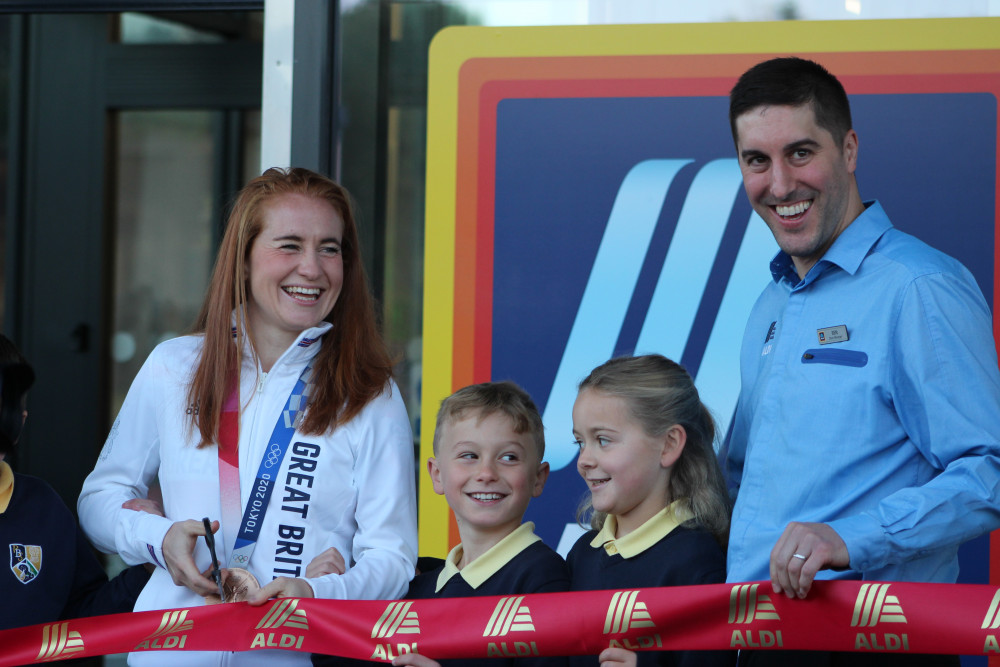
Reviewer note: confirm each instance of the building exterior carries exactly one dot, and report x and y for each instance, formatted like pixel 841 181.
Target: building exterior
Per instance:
pixel 127 127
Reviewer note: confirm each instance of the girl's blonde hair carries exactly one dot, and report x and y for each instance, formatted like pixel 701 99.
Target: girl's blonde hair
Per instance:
pixel 659 393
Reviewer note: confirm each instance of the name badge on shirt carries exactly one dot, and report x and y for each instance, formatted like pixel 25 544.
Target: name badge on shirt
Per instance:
pixel 837 334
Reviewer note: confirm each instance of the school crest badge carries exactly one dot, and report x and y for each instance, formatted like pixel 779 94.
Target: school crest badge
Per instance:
pixel 25 562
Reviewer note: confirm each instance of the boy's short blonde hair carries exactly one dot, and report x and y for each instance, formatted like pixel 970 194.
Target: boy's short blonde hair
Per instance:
pixel 488 398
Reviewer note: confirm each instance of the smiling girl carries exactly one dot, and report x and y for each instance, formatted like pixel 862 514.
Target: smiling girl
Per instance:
pixel 657 504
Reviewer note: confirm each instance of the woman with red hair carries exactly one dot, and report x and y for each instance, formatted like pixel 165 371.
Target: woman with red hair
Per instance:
pixel 278 415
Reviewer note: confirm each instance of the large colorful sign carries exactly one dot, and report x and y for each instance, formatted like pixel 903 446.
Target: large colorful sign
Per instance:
pixel 584 201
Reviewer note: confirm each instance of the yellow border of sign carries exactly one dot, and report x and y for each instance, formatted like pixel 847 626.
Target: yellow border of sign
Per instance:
pixel 452 47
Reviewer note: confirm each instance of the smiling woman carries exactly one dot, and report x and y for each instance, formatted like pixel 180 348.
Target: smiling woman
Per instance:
pixel 286 386
pixel 296 272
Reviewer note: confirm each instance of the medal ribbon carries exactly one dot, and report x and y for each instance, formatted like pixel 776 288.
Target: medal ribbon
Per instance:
pixel 246 537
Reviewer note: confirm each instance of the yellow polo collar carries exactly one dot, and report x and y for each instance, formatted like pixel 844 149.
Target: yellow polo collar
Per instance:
pixel 655 529
pixel 484 567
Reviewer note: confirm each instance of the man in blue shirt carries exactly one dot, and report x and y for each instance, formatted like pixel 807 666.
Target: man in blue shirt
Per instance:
pixel 865 442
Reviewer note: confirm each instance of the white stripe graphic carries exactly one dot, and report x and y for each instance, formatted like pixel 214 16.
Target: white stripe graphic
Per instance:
pixel 688 263
pixel 678 293
pixel 607 295
pixel 718 379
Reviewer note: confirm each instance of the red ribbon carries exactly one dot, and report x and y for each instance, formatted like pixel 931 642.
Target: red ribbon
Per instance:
pixel 837 616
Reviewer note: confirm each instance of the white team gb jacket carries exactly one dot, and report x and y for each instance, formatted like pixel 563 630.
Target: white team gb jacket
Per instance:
pixel 352 488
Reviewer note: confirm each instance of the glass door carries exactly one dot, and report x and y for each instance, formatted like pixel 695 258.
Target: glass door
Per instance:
pixel 168 212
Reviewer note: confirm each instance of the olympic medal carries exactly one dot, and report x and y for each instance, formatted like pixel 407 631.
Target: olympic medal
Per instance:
pixel 237 585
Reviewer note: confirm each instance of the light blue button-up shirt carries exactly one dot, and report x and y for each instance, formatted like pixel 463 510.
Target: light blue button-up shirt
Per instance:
pixel 891 436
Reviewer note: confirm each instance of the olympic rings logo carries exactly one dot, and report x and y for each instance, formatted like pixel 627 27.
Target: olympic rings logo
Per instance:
pixel 273 456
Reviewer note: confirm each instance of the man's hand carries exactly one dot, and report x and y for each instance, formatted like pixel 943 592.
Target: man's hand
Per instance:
pixel 178 550
pixel 282 587
pixel 612 657
pixel 803 550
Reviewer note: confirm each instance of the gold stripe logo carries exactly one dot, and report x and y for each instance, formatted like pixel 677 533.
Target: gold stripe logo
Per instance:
pixel 173 621
pixel 747 605
pixel 397 619
pixel 626 612
pixel 992 618
pixel 59 642
pixel 874 605
pixel 284 613
pixel 509 616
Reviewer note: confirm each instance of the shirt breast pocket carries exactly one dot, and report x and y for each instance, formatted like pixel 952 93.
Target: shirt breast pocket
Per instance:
pixel 836 357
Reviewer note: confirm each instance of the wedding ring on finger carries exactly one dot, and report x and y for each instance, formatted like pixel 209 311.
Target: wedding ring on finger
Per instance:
pixel 799 556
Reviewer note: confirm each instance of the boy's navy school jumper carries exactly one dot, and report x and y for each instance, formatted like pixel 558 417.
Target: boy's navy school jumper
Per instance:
pixel 49 571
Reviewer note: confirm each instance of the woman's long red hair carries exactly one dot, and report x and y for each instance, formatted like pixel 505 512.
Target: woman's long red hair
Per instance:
pixel 353 365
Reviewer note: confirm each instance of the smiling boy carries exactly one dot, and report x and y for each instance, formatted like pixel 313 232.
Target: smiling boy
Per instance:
pixel 488 448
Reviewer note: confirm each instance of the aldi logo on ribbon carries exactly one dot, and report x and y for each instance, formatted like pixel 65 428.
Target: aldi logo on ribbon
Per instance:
pixel 169 633
pixel 285 615
pixel 59 642
pixel 626 612
pixel 991 621
pixel 992 618
pixel 746 605
pixel 25 562
pixel 510 615
pixel 397 619
pixel 874 606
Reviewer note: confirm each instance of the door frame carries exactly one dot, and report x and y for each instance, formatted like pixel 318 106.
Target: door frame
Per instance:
pixel 61 229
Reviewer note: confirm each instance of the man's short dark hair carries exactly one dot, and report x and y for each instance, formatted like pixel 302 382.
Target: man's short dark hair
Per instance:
pixel 792 82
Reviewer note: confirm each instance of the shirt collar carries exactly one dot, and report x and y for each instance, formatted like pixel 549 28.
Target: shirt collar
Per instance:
pixel 484 567
pixel 6 485
pixel 848 250
pixel 304 348
pixel 655 529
